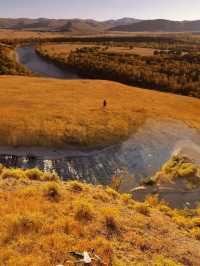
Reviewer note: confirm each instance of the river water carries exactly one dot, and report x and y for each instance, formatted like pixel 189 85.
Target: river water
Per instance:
pixel 28 57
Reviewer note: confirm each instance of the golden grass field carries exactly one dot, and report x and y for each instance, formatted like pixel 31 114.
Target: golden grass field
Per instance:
pixel 135 50
pixel 10 34
pixel 57 113
pixel 41 221
pixel 63 50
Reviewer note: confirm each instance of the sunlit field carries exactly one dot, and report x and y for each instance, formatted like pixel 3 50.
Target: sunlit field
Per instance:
pixel 62 50
pixel 47 112
pixel 20 34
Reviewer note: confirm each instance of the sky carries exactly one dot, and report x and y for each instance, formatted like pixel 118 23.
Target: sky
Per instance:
pixel 102 9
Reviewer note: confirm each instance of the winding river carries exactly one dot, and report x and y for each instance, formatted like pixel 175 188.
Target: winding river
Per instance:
pixel 28 57
pixel 140 156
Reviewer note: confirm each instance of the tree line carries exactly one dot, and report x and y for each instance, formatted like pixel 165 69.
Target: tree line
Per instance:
pixel 8 64
pixel 170 72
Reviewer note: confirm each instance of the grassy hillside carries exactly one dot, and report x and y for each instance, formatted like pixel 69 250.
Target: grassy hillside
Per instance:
pixel 42 220
pixel 47 112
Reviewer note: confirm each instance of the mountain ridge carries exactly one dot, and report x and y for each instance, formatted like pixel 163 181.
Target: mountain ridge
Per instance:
pixel 156 25
pixel 68 25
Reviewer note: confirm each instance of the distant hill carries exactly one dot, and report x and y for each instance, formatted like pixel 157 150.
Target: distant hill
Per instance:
pixel 68 25
pixel 89 25
pixel 160 25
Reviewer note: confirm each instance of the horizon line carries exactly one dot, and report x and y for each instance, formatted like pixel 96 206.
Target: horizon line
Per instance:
pixel 100 20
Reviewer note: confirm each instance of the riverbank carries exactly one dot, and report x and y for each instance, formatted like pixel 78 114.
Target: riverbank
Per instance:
pixel 138 157
pixel 9 64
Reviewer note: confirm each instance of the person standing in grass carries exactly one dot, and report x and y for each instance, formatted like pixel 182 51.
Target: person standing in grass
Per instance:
pixel 104 104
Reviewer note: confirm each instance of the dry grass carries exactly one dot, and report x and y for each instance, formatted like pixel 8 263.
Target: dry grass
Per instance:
pixel 47 112
pixel 131 50
pixel 10 34
pixel 61 51
pixel 38 230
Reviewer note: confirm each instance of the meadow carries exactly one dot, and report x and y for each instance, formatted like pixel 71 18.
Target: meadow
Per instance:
pixel 64 49
pixel 57 113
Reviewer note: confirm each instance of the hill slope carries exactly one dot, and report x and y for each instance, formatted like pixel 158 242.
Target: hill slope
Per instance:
pixel 160 25
pixel 53 219
pixel 68 25
pixel 71 112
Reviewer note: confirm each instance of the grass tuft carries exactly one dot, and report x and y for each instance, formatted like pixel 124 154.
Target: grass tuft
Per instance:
pixel 34 174
pixel 52 191
pixel 13 173
pixel 84 211
pixel 143 208
pixel 112 192
pixel 111 219
pixel 76 186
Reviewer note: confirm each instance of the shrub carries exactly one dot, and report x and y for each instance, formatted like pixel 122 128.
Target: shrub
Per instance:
pixel 34 174
pixel 186 169
pixel 152 200
pixel 23 224
pixel 52 191
pixel 112 192
pixel 167 210
pixel 111 219
pixel 143 208
pixel 76 186
pixel 126 198
pixel 13 173
pixel 84 211
pixel 48 176
pixel 196 222
pixel 195 232
pixel 104 248
pixel 182 222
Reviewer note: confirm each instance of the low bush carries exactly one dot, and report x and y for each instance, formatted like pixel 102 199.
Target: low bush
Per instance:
pixel 13 173
pixel 112 192
pixel 26 223
pixel 111 219
pixel 84 211
pixel 52 191
pixel 142 208
pixel 126 198
pixel 48 176
pixel 34 174
pixel 76 186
